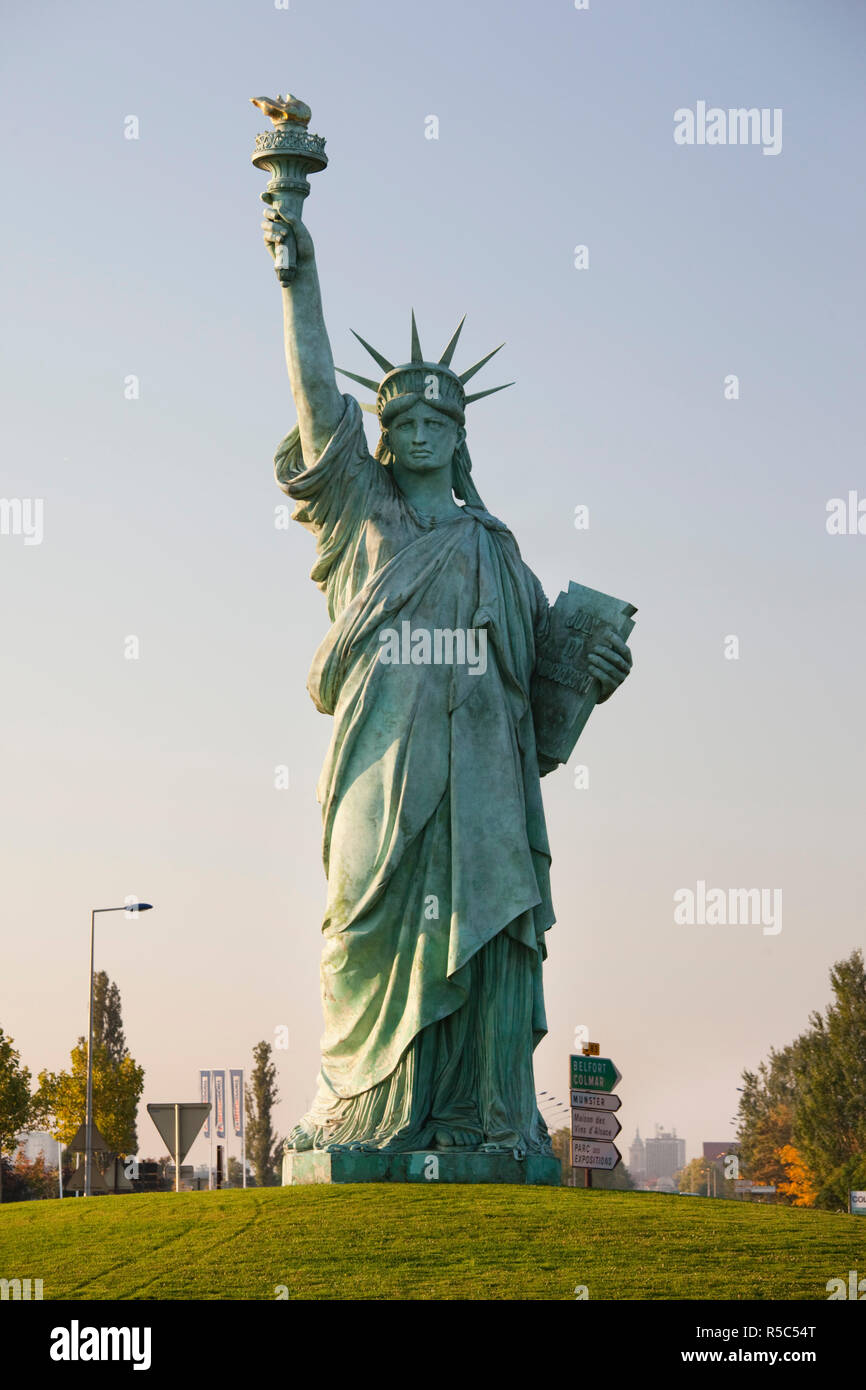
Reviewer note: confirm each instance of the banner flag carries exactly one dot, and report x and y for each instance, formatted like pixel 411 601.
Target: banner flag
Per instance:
pixel 219 1100
pixel 205 1098
pixel 236 1081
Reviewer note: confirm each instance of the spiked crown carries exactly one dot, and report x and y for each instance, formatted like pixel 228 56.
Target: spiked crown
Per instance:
pixel 435 381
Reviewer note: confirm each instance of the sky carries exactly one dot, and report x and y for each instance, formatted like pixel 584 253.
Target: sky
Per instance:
pixel 145 393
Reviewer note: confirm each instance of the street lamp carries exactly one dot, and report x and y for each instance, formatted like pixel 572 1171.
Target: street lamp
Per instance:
pixel 88 1155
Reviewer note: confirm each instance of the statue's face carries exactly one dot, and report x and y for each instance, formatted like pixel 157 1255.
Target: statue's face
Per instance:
pixel 423 440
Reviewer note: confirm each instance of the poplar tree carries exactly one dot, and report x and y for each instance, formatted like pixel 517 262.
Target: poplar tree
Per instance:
pixel 107 1019
pixel 118 1081
pixel 263 1144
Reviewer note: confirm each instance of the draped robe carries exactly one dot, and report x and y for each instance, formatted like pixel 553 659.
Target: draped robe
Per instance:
pixel 434 840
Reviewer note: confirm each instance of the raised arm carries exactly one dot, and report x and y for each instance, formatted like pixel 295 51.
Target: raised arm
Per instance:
pixel 308 352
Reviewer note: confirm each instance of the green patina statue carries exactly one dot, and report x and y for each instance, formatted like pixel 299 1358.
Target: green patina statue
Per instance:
pixel 453 687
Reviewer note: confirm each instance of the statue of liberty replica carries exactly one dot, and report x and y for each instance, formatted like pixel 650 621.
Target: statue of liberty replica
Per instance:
pixel 453 687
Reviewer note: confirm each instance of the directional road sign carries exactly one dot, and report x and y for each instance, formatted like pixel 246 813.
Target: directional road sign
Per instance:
pixel 594 1100
pixel 590 1153
pixel 594 1073
pixel 594 1124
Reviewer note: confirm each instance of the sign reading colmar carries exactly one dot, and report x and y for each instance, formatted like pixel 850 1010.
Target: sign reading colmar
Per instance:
pixel 594 1073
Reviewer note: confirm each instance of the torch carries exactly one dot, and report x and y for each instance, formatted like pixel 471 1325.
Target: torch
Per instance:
pixel 290 154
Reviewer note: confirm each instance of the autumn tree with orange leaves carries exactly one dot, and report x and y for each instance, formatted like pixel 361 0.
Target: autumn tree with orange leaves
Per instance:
pixel 803 1112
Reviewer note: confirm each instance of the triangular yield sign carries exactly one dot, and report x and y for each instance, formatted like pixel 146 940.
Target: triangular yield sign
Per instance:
pixel 190 1118
pixel 76 1181
pixel 78 1142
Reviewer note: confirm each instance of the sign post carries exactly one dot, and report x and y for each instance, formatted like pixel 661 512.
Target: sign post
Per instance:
pixel 594 1125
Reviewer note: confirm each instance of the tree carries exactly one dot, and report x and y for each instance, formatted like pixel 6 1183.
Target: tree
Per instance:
pixel 235 1175
pixel 767 1115
pixel 107 1020
pixel 706 1177
pixel 19 1109
pixel 117 1079
pixel 810 1098
pixel 800 1183
pixel 117 1091
pixel 618 1179
pixel 261 1096
pixel 14 1183
pixel 830 1116
pixel 34 1178
pixel 561 1141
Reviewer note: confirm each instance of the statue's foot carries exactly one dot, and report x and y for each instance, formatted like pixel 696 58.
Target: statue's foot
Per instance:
pixel 301 1139
pixel 456 1138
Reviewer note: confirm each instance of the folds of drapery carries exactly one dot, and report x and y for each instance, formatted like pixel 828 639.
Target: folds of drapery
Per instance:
pixel 434 838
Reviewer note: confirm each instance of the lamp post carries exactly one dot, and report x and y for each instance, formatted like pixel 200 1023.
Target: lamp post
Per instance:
pixel 88 1154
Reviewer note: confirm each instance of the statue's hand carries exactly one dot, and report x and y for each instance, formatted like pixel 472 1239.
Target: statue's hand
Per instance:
pixel 275 227
pixel 610 663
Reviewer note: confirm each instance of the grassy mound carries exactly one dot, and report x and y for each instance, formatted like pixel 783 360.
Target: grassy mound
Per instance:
pixel 417 1242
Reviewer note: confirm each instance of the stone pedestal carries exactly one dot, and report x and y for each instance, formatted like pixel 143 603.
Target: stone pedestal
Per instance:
pixel 435 1166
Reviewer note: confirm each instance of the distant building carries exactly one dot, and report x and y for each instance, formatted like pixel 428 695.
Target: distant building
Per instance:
pixel 665 1155
pixel 716 1151
pixel 725 1157
pixel 637 1159
pixel 36 1143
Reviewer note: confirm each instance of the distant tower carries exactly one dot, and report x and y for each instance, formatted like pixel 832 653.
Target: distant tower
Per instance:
pixel 637 1158
pixel 665 1155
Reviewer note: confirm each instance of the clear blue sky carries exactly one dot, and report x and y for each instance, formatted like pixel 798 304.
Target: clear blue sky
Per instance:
pixel 144 257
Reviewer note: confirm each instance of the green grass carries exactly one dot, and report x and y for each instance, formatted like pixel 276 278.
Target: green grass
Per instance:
pixel 415 1242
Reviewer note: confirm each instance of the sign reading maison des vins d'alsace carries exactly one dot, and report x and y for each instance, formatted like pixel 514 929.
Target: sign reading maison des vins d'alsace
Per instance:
pixel 594 1124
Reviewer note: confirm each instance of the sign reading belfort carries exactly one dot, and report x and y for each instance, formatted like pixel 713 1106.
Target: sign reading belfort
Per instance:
pixel 594 1074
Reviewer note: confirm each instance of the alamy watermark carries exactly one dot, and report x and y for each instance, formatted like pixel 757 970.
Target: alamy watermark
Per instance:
pixel 20 1290
pixel 855 1289
pixel 77 1343
pixel 719 907
pixel 846 516
pixel 434 647
pixel 22 516
pixel 740 125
